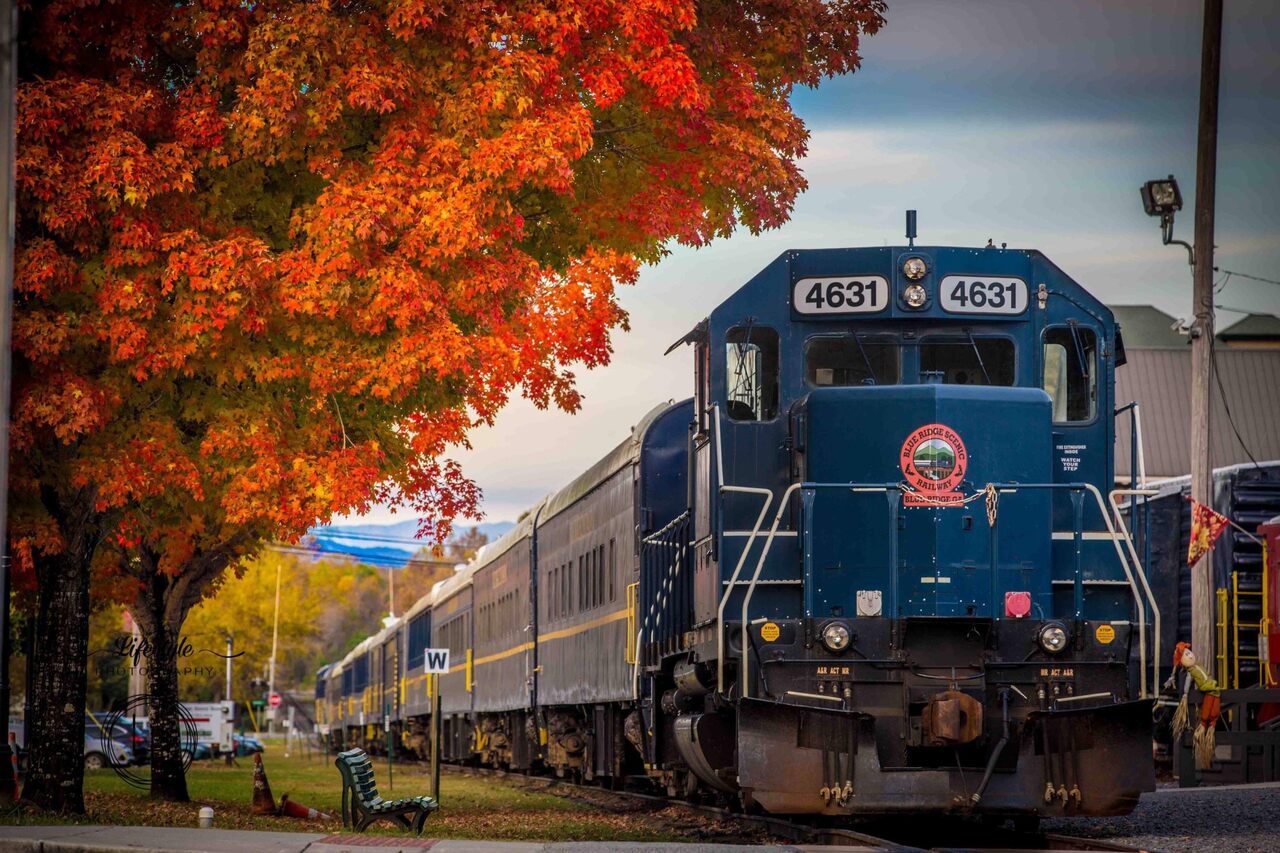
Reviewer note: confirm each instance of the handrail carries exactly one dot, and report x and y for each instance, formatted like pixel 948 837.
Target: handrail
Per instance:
pixel 751 587
pixel 1142 575
pixel 1137 453
pixel 746 548
pixel 663 592
pixel 1004 488
pixel 1142 619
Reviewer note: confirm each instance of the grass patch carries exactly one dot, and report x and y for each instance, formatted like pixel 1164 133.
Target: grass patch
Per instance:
pixel 470 807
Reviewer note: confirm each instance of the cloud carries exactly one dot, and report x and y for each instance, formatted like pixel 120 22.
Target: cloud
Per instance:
pixel 863 157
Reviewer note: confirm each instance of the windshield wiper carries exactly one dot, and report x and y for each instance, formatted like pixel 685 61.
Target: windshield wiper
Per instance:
pixel 857 339
pixel 978 355
pixel 1079 347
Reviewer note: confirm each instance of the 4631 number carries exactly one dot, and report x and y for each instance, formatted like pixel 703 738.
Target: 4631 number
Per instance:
pixel 966 295
pixel 864 294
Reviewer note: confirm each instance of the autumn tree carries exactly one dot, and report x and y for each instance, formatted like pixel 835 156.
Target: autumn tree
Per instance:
pixel 275 258
pixel 242 604
pixel 462 546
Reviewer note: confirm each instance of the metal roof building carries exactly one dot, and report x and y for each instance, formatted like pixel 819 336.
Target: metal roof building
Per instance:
pixel 1247 383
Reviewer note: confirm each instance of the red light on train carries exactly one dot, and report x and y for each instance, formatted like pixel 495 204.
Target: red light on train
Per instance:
pixel 1017 605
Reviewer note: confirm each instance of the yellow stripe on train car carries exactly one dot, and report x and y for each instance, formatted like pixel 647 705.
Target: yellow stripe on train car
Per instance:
pixel 615 616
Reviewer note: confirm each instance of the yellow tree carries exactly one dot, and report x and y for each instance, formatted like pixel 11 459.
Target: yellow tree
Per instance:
pixel 243 604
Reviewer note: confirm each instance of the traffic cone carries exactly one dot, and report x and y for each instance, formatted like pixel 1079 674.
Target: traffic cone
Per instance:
pixel 13 759
pixel 263 802
pixel 289 808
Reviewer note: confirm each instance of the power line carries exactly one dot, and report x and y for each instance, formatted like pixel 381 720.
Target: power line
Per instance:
pixel 1227 406
pixel 335 533
pixel 1245 275
pixel 1238 310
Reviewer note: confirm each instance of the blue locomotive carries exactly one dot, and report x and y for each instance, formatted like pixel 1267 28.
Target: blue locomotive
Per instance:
pixel 874 565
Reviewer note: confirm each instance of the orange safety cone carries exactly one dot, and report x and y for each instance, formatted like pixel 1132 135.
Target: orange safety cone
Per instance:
pixel 263 802
pixel 13 759
pixel 289 808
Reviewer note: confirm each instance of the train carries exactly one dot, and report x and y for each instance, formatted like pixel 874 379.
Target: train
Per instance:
pixel 874 565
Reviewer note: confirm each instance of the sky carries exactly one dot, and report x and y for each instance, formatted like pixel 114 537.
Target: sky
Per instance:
pixel 1031 122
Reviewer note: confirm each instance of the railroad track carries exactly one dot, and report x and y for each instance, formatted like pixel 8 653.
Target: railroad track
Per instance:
pixel 940 836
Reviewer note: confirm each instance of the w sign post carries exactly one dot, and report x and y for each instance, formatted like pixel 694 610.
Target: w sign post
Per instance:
pixel 435 663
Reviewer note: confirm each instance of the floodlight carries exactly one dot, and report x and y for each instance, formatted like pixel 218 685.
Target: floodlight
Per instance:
pixel 1161 197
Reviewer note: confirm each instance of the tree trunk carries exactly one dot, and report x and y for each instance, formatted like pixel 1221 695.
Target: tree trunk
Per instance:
pixel 160 610
pixel 56 707
pixel 168 777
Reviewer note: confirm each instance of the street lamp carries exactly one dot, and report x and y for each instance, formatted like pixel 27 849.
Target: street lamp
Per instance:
pixel 1162 198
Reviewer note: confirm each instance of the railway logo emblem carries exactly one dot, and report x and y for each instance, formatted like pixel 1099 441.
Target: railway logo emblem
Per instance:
pixel 933 461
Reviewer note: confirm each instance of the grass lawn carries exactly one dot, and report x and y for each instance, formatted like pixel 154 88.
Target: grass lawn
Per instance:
pixel 470 807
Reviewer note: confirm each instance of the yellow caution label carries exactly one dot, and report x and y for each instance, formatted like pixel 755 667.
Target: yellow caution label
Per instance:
pixel 1104 634
pixel 769 632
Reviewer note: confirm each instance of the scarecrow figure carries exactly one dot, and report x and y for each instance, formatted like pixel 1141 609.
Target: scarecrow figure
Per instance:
pixel 1210 705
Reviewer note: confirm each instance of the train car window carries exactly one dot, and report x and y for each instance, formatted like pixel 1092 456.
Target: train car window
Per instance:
pixel 751 371
pixel 841 360
pixel 1071 374
pixel 969 361
pixel 591 578
pixel 419 639
pixel 600 569
pixel 613 571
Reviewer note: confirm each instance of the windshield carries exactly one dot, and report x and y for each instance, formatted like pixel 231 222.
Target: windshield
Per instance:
pixel 840 360
pixel 968 360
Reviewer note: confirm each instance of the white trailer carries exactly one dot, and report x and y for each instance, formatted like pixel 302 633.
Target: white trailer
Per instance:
pixel 214 724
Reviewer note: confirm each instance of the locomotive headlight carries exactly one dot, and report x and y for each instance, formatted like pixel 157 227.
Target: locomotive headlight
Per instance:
pixel 914 268
pixel 1053 638
pixel 914 295
pixel 835 636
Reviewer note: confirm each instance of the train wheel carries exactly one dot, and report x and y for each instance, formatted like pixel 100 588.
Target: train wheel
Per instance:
pixel 691 788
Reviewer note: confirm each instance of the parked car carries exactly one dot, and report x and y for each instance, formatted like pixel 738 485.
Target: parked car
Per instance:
pixel 247 745
pixel 201 752
pixel 102 752
pixel 133 732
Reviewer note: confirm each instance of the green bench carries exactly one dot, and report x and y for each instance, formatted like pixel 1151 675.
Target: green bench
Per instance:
pixel 365 804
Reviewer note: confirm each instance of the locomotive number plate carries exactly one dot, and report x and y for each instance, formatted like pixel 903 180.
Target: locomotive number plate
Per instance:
pixel 859 294
pixel 965 294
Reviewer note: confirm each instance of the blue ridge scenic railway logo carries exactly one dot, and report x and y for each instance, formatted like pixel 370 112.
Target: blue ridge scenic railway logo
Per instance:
pixel 933 461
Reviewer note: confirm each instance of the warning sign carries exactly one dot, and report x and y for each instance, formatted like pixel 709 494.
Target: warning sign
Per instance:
pixel 770 631
pixel 1105 634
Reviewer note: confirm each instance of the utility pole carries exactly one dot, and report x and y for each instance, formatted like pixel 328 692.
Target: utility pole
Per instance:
pixel 1202 581
pixel 227 695
pixel 8 191
pixel 275 639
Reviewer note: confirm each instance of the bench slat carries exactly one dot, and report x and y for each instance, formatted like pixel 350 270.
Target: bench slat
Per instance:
pixel 357 773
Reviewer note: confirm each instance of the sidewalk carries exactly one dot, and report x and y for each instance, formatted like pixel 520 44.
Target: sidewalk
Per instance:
pixel 154 839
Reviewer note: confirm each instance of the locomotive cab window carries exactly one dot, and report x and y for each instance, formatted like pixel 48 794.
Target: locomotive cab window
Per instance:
pixel 968 361
pixel 751 373
pixel 1071 373
pixel 839 360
